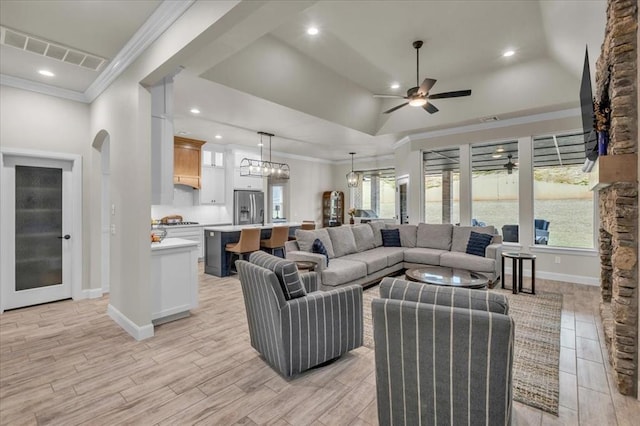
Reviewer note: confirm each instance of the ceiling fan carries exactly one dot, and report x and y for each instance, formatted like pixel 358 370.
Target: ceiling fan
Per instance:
pixel 417 96
pixel 510 165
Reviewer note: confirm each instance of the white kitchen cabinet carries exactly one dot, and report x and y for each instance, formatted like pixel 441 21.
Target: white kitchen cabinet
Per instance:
pixel 193 233
pixel 213 185
pixel 174 279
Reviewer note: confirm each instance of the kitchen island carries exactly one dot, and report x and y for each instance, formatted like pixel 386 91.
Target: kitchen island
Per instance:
pixel 174 279
pixel 217 237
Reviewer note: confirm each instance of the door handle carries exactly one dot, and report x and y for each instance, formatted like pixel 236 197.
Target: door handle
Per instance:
pixel 66 237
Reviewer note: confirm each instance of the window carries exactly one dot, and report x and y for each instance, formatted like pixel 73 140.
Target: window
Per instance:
pixel 494 187
pixel 442 185
pixel 376 193
pixel 278 211
pixel 563 203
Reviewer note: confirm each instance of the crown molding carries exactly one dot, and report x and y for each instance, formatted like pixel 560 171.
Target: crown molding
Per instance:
pixel 366 159
pixel 528 119
pixel 401 142
pixel 161 19
pixel 45 89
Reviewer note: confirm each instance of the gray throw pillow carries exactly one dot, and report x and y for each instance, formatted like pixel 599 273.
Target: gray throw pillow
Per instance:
pixel 285 270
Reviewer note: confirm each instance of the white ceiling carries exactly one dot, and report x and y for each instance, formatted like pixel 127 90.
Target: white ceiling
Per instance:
pixel 315 93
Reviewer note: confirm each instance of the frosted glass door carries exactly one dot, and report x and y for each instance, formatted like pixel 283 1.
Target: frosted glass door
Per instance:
pixel 36 241
pixel 38 231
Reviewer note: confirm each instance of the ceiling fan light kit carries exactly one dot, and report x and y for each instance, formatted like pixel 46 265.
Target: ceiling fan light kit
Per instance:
pixel 353 178
pixel 264 168
pixel 418 96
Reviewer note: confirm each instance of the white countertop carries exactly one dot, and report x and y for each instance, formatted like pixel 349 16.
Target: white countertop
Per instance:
pixel 188 226
pixel 236 228
pixel 171 243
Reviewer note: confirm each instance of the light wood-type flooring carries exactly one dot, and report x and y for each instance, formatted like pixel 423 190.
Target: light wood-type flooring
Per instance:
pixel 67 363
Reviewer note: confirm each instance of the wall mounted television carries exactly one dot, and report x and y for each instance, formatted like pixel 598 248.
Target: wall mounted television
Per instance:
pixel 586 106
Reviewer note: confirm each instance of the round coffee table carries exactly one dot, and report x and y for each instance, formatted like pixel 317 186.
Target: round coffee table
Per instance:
pixel 439 275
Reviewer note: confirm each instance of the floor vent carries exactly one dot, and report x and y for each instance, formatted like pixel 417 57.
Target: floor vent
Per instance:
pixel 32 44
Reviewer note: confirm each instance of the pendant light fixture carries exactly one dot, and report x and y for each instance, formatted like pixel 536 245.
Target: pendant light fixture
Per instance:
pixel 353 178
pixel 264 168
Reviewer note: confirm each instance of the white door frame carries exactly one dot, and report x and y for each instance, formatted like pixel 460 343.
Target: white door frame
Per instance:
pixel 76 218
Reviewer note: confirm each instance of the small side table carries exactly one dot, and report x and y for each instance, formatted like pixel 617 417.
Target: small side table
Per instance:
pixel 517 260
pixel 306 265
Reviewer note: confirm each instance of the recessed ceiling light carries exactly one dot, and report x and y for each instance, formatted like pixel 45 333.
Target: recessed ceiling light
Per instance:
pixel 496 156
pixel 46 73
pixel 500 149
pixel 195 110
pixel 508 53
pixel 182 132
pixel 395 85
pixel 260 144
pixel 218 136
pixel 312 31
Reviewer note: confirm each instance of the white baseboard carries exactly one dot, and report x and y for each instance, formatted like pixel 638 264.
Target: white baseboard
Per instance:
pixel 137 332
pixel 554 276
pixel 91 293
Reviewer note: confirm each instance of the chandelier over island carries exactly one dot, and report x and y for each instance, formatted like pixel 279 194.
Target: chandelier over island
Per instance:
pixel 264 168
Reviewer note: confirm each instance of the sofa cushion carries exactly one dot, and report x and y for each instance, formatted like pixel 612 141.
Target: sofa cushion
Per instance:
pixel 394 255
pixel 478 243
pixel 343 271
pixel 306 238
pixel 408 234
pixel 428 256
pixel 375 261
pixel 376 227
pixel 285 270
pixel 460 236
pixel 391 237
pixel 342 240
pixel 466 261
pixel 363 235
pixel 435 236
pixel 319 248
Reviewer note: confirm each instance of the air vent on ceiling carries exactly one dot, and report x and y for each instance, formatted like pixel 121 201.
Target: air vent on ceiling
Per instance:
pixel 489 119
pixel 32 44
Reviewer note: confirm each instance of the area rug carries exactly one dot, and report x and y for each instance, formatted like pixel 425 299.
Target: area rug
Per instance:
pixel 536 348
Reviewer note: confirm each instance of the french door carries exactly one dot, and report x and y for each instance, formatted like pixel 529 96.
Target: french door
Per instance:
pixel 37 237
pixel 402 200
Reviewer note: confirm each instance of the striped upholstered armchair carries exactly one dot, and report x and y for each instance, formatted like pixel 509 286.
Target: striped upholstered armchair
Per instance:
pixel 443 355
pixel 293 326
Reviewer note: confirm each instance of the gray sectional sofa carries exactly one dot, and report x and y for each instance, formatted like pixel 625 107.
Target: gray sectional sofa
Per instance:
pixel 357 255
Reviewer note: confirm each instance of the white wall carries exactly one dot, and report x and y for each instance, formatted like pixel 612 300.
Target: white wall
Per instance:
pixel 30 120
pixel 124 112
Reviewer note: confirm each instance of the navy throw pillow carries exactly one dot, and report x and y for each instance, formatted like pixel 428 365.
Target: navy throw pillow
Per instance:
pixel 390 237
pixel 318 247
pixel 478 243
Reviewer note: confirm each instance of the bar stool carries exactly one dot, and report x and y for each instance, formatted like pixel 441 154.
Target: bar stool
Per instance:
pixel 279 235
pixel 249 242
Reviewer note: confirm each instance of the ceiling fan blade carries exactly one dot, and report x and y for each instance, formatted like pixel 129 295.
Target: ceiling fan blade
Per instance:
pixel 389 96
pixel 456 94
pixel 430 108
pixel 426 85
pixel 395 108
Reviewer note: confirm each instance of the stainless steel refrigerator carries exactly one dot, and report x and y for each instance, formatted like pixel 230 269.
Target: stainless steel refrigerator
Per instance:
pixel 248 207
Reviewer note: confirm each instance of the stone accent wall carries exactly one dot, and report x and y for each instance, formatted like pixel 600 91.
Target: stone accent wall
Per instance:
pixel 616 83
